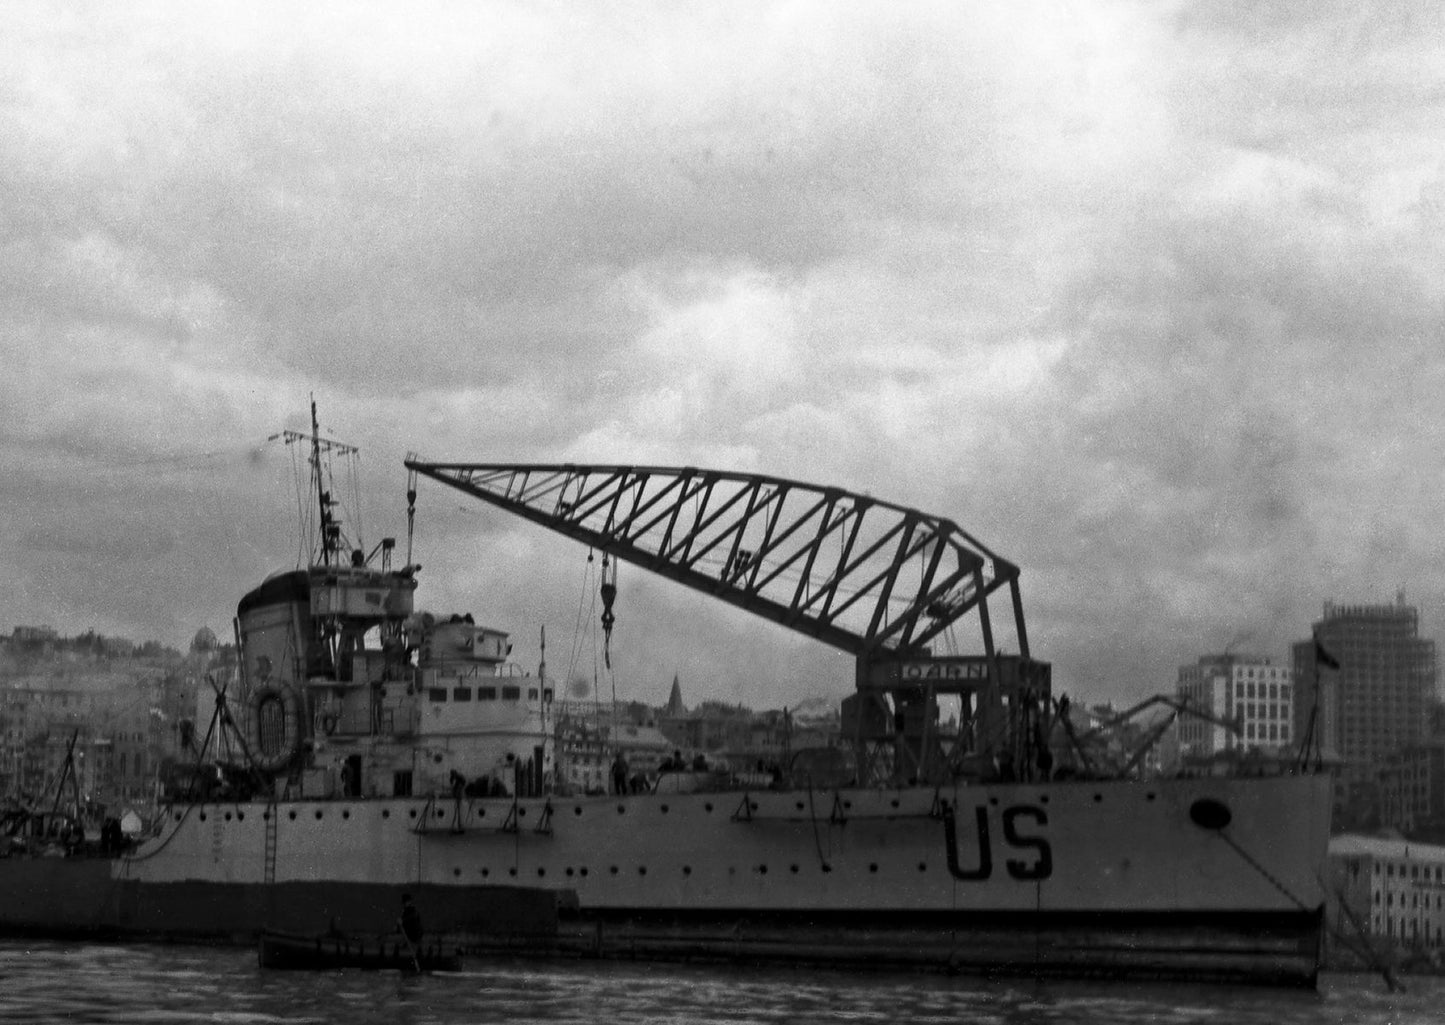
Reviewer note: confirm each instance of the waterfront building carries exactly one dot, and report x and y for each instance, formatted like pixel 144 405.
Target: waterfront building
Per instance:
pixel 1249 691
pixel 1379 699
pixel 1395 889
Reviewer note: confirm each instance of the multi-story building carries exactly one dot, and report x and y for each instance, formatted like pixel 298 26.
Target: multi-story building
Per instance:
pixel 39 720
pixel 1379 699
pixel 587 742
pixel 1247 690
pixel 1411 787
pixel 1395 889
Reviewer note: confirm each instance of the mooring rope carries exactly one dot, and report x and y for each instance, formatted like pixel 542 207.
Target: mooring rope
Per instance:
pixel 1263 871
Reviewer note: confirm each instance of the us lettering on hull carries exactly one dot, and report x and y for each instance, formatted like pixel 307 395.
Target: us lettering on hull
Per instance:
pixel 970 859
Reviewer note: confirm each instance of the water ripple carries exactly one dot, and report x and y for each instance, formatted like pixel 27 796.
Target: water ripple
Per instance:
pixel 159 985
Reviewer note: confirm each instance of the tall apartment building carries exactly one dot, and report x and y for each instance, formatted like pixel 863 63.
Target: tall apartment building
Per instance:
pixel 1379 699
pixel 1246 689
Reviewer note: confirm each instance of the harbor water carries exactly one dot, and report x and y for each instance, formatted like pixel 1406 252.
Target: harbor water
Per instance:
pixel 84 983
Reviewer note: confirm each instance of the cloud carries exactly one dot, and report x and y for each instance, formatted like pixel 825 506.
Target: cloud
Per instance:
pixel 1147 298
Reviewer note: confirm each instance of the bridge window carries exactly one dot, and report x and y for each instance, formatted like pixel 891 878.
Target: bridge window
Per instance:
pixel 511 693
pixel 486 694
pixel 462 694
pixel 531 693
pixel 436 694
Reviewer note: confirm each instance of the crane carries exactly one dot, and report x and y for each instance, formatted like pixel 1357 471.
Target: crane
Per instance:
pixel 878 580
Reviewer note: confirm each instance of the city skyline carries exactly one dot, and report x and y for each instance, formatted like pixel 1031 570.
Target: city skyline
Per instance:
pixel 1146 298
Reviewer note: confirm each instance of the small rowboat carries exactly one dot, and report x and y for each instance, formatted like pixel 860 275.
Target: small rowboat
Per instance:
pixel 331 950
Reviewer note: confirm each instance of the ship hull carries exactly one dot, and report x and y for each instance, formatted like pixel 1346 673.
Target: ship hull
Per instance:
pixel 1077 879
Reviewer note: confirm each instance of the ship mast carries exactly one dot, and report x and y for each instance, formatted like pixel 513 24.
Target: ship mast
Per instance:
pixel 323 499
pixel 328 527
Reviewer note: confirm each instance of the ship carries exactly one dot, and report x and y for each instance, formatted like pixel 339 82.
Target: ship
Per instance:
pixel 389 750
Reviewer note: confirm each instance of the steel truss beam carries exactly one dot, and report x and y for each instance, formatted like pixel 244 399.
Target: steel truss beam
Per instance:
pixel 872 578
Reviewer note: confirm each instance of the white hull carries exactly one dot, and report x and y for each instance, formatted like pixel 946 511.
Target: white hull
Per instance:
pixel 1109 846
pixel 1095 878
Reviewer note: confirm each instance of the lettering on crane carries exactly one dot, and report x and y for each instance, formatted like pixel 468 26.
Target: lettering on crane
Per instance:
pixel 937 670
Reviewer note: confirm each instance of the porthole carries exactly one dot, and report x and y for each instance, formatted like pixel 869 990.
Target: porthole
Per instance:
pixel 240 816
pixel 793 869
pixel 664 809
pixel 440 813
pixel 486 872
pixel 642 870
pixel 481 813
pixel 1208 813
pixel 411 812
pixel 582 871
pixel 798 805
pixel 457 872
pixel 318 814
pixel 923 866
pixel 687 870
pixel 203 816
pixel 1150 796
pixel 512 871
pixel 613 870
pixel 621 809
pixel 569 872
pixel 762 870
pixel 1098 798
pixel 291 815
pixel 873 866
pixel 228 816
pixel 1043 799
pixel 346 813
pixel 386 813
pixel 521 813
pixel 705 807
pixel 894 802
pixel 178 816
pixel 577 810
pixel 541 872
pixel 265 816
pixel 993 801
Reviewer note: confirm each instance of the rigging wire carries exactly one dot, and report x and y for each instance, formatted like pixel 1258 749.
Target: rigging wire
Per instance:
pixel 577 631
pixel 302 520
pixel 354 468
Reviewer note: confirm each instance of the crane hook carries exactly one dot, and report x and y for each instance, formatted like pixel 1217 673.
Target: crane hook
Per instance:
pixel 609 594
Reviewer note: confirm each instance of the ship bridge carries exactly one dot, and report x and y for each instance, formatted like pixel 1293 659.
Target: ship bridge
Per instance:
pixel 882 581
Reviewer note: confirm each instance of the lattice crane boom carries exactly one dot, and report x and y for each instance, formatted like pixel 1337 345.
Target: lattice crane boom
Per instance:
pixel 873 578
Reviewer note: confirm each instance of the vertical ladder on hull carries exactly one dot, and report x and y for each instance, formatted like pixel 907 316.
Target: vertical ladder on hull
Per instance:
pixel 271 817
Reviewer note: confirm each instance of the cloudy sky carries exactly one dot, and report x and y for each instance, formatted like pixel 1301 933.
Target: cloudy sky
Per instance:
pixel 1146 296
